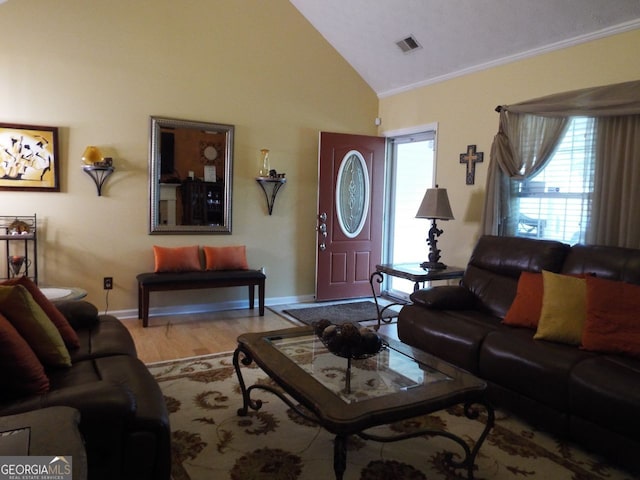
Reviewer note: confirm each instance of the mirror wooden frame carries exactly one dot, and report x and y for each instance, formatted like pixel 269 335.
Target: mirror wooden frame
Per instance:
pixel 158 124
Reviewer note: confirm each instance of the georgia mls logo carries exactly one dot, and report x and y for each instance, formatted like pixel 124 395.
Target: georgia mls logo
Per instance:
pixel 36 468
pixel 60 465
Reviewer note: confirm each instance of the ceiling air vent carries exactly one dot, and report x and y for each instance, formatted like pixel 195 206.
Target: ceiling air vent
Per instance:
pixel 408 44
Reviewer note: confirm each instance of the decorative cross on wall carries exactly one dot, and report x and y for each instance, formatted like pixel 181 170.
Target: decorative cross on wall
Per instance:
pixel 471 158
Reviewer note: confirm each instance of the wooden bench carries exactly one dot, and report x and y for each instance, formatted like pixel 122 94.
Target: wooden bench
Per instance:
pixel 169 281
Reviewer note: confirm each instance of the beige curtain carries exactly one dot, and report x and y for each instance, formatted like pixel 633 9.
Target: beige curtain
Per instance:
pixel 616 197
pixel 522 147
pixel 512 156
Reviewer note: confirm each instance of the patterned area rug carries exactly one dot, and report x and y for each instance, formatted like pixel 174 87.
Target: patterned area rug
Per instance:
pixel 211 441
pixel 339 313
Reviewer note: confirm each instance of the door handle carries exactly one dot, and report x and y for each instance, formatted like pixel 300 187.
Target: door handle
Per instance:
pixel 323 217
pixel 322 247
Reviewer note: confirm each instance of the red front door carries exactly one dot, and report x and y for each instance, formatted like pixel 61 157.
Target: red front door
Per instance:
pixel 350 209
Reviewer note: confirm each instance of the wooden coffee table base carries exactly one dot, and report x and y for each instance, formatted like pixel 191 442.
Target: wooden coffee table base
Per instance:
pixel 471 411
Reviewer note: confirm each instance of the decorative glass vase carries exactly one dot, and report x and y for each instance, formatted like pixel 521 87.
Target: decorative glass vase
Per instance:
pixel 264 163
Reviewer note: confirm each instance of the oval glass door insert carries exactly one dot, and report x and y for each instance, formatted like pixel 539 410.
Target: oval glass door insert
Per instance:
pixel 352 194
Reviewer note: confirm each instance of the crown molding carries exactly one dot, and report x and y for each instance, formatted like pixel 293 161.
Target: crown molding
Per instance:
pixel 606 32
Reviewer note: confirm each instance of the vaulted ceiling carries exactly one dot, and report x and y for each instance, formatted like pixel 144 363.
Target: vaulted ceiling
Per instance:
pixel 456 37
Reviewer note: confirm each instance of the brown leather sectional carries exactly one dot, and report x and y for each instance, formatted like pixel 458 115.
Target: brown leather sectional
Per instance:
pixel 123 415
pixel 591 398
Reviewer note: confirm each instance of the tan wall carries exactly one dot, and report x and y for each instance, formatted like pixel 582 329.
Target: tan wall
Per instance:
pixel 464 110
pixel 99 69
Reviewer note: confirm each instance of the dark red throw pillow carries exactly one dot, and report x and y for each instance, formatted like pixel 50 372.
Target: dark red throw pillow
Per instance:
pixel 22 373
pixel 612 323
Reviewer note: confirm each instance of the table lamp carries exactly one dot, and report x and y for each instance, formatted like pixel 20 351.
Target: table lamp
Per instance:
pixel 435 205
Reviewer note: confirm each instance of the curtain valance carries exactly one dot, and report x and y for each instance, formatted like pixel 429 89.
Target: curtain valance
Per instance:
pixel 608 100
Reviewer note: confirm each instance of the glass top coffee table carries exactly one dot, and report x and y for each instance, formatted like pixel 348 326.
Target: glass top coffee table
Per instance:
pixel 398 383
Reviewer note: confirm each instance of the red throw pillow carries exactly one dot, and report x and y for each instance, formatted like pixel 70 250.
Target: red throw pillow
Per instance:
pixel 526 307
pixel 226 258
pixel 612 323
pixel 22 372
pixel 69 335
pixel 177 259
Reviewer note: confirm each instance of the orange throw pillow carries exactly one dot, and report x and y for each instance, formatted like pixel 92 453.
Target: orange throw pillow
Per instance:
pixel 612 323
pixel 226 258
pixel 177 259
pixel 69 335
pixel 22 372
pixel 526 307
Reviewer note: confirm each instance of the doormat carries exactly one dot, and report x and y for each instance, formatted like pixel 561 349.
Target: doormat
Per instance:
pixel 340 312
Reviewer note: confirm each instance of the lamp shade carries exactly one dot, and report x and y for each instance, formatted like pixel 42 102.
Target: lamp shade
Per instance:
pixel 91 155
pixel 435 204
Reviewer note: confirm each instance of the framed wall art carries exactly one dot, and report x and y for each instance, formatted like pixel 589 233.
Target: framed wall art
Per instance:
pixel 29 158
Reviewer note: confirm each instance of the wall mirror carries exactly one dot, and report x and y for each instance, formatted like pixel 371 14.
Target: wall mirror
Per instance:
pixel 190 176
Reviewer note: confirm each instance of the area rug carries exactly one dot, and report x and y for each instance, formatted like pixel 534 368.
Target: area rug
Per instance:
pixel 210 441
pixel 339 313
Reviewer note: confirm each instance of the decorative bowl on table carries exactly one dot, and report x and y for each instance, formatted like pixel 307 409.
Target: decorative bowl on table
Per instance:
pixel 348 340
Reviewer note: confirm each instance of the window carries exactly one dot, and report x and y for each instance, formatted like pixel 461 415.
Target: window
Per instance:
pixel 555 204
pixel 411 172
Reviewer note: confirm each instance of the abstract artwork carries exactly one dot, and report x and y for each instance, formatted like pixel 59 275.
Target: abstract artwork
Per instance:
pixel 29 158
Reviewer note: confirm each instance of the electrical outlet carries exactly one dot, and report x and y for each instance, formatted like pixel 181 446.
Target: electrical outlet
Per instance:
pixel 108 283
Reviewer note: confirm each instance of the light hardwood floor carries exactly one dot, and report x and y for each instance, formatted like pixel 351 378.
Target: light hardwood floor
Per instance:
pixel 190 335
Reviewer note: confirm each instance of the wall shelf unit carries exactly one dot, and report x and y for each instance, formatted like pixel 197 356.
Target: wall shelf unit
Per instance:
pixel 19 235
pixel 270 187
pixel 98 174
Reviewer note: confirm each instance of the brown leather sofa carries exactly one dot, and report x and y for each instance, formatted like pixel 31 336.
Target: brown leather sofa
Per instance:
pixel 123 416
pixel 590 398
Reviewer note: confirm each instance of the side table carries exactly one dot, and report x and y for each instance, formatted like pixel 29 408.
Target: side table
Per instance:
pixel 48 432
pixel 63 294
pixel 408 271
pixel 417 274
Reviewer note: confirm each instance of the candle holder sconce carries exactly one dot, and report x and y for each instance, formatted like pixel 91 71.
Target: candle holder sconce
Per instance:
pixel 270 186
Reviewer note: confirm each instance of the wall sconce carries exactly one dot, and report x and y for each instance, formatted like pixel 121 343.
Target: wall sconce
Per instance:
pixel 97 167
pixel 435 205
pixel 269 180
